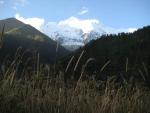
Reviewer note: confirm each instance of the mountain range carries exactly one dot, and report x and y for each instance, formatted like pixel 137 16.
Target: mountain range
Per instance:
pixel 68 37
pixel 108 54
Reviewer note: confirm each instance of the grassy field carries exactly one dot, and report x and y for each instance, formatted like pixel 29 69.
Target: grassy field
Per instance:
pixel 36 93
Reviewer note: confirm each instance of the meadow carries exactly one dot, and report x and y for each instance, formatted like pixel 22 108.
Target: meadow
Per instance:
pixel 45 91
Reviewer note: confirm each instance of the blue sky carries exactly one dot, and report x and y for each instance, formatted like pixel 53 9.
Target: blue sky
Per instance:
pixel 117 14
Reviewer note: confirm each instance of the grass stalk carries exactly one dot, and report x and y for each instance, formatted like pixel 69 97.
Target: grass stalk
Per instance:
pixel 78 60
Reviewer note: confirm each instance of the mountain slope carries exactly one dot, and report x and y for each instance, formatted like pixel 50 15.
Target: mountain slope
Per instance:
pixel 31 39
pixel 10 24
pixel 122 53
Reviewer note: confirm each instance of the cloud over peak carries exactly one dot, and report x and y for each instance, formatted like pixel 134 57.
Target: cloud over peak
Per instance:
pixel 35 21
pixel 71 27
pixel 85 25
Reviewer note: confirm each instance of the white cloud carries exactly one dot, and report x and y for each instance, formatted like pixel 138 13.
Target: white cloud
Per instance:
pixel 72 27
pixel 35 22
pixel 52 28
pixel 83 11
pixel 85 25
pixel 131 30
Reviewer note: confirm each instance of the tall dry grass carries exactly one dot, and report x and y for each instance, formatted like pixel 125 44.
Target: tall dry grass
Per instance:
pixel 47 94
pixel 1 36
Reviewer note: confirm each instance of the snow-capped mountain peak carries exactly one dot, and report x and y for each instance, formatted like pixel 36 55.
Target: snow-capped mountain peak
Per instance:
pixel 74 32
pixel 73 38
